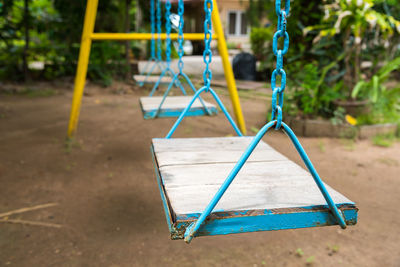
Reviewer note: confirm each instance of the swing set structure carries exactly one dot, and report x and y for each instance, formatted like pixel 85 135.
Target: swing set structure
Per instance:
pixel 88 36
pixel 267 191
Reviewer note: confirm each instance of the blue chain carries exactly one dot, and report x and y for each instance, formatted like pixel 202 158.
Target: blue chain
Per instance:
pixel 181 10
pixel 168 28
pixel 207 54
pixel 277 103
pixel 152 29
pixel 159 30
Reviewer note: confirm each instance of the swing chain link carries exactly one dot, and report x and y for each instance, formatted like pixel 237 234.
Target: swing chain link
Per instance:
pixel 159 30
pixel 181 10
pixel 278 92
pixel 152 29
pixel 207 54
pixel 168 29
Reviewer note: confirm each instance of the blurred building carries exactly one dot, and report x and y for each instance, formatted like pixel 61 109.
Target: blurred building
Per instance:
pixel 233 17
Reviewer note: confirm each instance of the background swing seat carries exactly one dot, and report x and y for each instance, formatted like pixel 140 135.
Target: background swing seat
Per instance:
pixel 152 79
pixel 270 192
pixel 173 106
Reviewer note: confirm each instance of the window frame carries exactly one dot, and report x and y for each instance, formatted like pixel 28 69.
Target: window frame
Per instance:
pixel 238 25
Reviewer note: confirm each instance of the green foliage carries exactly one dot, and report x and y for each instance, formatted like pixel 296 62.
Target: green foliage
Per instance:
pixel 261 46
pixel 374 88
pixel 260 41
pixel 338 117
pixel 385 101
pixel 384 140
pixel 55 29
pixel 311 97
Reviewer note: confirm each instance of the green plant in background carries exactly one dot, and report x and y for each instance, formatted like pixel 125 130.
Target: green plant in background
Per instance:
pixel 384 140
pixel 373 88
pixel 260 40
pixel 352 21
pixel 385 101
pixel 49 31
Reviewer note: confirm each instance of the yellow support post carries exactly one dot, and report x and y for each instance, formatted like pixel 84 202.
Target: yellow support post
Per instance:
pixel 84 53
pixel 88 36
pixel 230 78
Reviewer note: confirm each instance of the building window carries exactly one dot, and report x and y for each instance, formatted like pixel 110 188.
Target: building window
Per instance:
pixel 237 23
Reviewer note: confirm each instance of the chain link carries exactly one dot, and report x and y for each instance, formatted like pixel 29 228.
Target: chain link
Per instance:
pixel 181 10
pixel 159 30
pixel 278 92
pixel 207 54
pixel 152 29
pixel 168 28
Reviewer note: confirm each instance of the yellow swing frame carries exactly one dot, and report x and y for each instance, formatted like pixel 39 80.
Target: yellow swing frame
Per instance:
pixel 89 35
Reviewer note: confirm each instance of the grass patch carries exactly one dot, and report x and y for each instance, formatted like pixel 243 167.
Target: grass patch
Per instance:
pixel 321 146
pixel 31 92
pixel 384 140
pixel 349 144
pixel 71 143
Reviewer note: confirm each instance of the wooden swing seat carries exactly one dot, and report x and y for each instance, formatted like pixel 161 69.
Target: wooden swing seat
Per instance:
pixel 270 192
pixel 152 79
pixel 173 107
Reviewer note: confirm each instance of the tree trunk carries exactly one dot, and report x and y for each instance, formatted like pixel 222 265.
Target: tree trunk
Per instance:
pixel 25 54
pixel 348 77
pixel 127 43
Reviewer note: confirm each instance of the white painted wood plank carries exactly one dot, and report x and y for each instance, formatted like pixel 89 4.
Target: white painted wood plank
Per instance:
pixel 206 144
pixel 171 102
pixel 267 181
pixel 239 197
pixel 152 78
pixel 268 172
pixel 168 158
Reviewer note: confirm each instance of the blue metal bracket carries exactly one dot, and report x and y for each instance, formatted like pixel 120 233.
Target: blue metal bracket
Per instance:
pixel 169 71
pixel 186 78
pixel 220 104
pixel 194 227
pixel 156 63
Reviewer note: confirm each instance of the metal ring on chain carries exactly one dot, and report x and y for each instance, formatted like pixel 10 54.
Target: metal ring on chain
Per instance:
pixel 207 54
pixel 278 7
pixel 275 73
pixel 278 35
pixel 278 92
pixel 181 10
pixel 159 30
pixel 168 30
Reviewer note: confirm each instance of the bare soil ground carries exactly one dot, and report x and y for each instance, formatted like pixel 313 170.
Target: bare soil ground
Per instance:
pixel 110 208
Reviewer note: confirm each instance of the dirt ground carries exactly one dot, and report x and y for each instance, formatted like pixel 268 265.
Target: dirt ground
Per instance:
pixel 109 206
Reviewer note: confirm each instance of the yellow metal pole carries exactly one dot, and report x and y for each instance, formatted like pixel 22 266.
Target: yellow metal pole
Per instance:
pixel 84 53
pixel 145 36
pixel 230 79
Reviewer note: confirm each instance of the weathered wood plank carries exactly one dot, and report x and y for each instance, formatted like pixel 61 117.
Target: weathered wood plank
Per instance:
pixel 171 102
pixel 192 170
pixel 206 144
pixel 168 158
pixel 193 199
pixel 152 79
pixel 266 172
